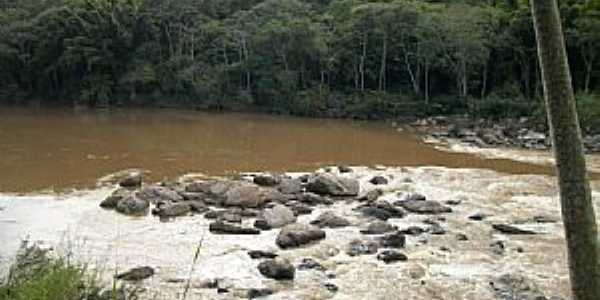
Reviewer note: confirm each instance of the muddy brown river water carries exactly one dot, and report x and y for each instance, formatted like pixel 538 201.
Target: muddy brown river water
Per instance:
pixel 43 148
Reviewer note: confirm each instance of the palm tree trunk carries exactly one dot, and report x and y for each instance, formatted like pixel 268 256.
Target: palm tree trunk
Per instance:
pixel 575 196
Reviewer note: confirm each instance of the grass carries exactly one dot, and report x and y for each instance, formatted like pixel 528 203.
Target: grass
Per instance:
pixel 35 275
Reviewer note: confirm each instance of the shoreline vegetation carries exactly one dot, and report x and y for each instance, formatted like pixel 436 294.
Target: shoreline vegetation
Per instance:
pixel 335 58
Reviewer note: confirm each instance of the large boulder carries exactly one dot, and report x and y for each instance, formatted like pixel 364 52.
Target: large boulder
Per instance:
pixel 278 269
pixel 295 235
pixel 329 184
pixel 244 195
pixel 155 194
pixel 278 216
pixel 133 205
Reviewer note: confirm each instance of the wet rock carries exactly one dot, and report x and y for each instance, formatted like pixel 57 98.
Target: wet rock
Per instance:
pixel 329 219
pixel 453 202
pixel 300 209
pixel 219 227
pixel 391 256
pixel 314 199
pixel 392 240
pixel 295 235
pixel 290 186
pixel 375 212
pixel 394 211
pixel 267 179
pixel 515 287
pixel 262 224
pixel 424 207
pixel 461 237
pixel 132 205
pixel 407 196
pixel 513 230
pixel 304 178
pixel 478 216
pixel 214 214
pixel 378 227
pixel 278 216
pixel 362 247
pixel 331 287
pixel 131 181
pixel 259 293
pixel 310 264
pixel 136 274
pixel 344 169
pixel 378 180
pixel 172 209
pixel 413 230
pixel 370 196
pixel 232 217
pixel 497 247
pixel 278 269
pixel 155 194
pixel 436 229
pixel 328 184
pixel 113 199
pixel 258 254
pixel 197 206
pixel 244 195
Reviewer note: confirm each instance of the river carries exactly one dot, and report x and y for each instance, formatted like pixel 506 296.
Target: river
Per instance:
pixel 58 149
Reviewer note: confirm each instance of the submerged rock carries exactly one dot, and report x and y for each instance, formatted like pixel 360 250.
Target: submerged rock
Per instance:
pixel 328 184
pixel 390 256
pixel 278 269
pixel 132 205
pixel 295 235
pixel 424 207
pixel 220 227
pixel 136 274
pixel 329 219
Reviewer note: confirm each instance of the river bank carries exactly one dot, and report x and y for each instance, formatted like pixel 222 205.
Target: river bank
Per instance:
pixel 458 244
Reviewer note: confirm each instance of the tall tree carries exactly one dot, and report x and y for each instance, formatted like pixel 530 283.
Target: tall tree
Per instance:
pixel 575 196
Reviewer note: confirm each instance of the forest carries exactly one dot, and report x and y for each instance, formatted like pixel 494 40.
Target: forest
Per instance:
pixel 333 58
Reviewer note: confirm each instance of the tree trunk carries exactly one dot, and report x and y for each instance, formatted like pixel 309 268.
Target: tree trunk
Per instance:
pixel 382 69
pixel 426 82
pixel 363 57
pixel 575 195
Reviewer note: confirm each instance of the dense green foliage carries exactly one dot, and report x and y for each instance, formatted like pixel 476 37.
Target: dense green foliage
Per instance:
pixel 330 57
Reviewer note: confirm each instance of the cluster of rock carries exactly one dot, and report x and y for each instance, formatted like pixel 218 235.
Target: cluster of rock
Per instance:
pixel 275 201
pixel 485 134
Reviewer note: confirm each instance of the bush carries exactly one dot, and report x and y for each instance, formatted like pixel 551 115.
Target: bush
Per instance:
pixel 588 108
pixel 496 107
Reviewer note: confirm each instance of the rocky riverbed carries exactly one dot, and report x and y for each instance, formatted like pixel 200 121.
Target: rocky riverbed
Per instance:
pixel 337 233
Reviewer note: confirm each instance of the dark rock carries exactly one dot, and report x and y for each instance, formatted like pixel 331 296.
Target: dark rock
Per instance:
pixel 509 229
pixel 515 287
pixel 156 194
pixel 295 235
pixel 290 186
pixel 262 224
pixel 544 219
pixel 436 229
pixel 497 247
pixel 309 264
pixel 404 196
pixel 219 227
pixel 371 196
pixel 301 209
pixel 244 195
pixel 136 274
pixel 344 169
pixel 328 184
pixel 331 287
pixel 462 237
pixel 453 202
pixel 375 212
pixel 267 179
pixel 413 230
pixel 278 216
pixel 378 180
pixel 197 206
pixel 172 209
pixel 444 249
pixel 361 247
pixel 378 227
pixel 114 198
pixel 329 219
pixel 314 199
pixel 392 240
pixel 131 181
pixel 304 178
pixel 132 205
pixel 278 269
pixel 478 216
pixel 187 196
pixel 394 211
pixel 258 254
pixel 259 293
pixel 214 214
pixel 199 187
pixel 391 256
pixel 231 217
pixel 424 207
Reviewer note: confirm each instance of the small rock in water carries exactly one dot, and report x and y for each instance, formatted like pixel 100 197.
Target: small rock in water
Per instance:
pixel 278 216
pixel 413 230
pixel 544 219
pixel 258 254
pixel 453 202
pixel 390 256
pixel 328 184
pixel 393 240
pixel 172 209
pixel 136 274
pixel 290 186
pixel 375 212
pixel 329 219
pixel 509 229
pixel 314 199
pixel 133 205
pixel 497 247
pixel 219 227
pixel 462 237
pixel 370 196
pixel 267 179
pixel 436 229
pixel 424 207
pixel 331 287
pixel 403 196
pixel 378 180
pixel 262 224
pixel 309 264
pixel 300 209
pixel 278 269
pixel 114 198
pixel 478 216
pixel 344 169
pixel 378 227
pixel 213 214
pixel 515 286
pixel 361 247
pixel 295 235
pixel 131 181
pixel 259 293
